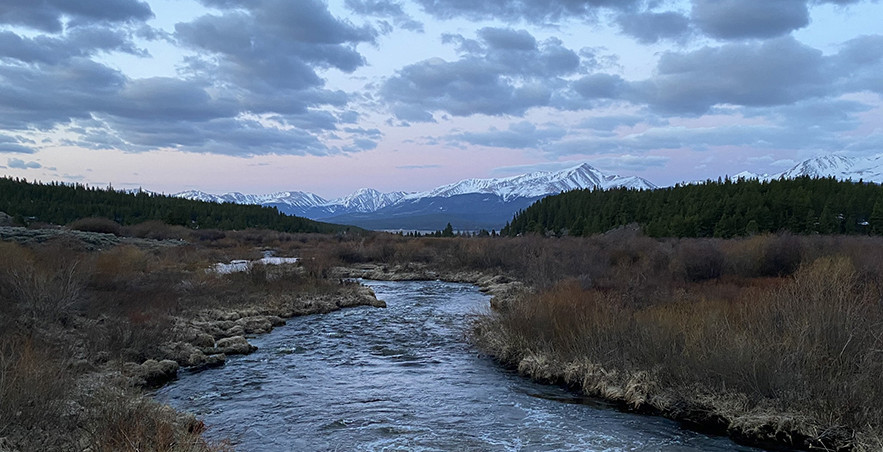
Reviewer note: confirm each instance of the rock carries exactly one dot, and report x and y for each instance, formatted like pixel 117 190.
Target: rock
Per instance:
pixel 255 325
pixel 184 353
pixel 6 220
pixel 203 340
pixel 236 345
pixel 151 373
pixel 210 362
pixel 275 320
pixel 235 330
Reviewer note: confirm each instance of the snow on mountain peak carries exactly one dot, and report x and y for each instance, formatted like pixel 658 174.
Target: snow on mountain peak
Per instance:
pixel 366 200
pixel 537 184
pixel 869 169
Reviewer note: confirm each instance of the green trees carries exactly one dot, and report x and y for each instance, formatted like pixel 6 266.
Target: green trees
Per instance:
pixel 722 208
pixel 61 204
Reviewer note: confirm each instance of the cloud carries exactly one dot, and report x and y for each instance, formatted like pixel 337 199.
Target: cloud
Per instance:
pixel 610 123
pixel 385 8
pixel 13 145
pixel 829 115
pixel 533 11
pixel 741 19
pixel 48 15
pixel 859 64
pixel 253 86
pixel 505 72
pixel 774 72
pixel 521 135
pixel 648 27
pixel 21 164
pixel 77 43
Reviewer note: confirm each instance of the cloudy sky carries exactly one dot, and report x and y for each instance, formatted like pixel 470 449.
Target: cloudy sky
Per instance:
pixel 329 96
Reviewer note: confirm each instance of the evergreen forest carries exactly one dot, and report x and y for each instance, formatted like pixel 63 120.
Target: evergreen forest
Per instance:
pixel 722 208
pixel 57 203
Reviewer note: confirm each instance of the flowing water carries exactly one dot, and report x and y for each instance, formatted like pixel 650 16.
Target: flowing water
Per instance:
pixel 404 378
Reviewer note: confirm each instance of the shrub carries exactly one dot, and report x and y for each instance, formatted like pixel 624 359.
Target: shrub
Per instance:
pixel 698 260
pixel 34 385
pixel 96 224
pixel 42 284
pixel 119 420
pixel 781 255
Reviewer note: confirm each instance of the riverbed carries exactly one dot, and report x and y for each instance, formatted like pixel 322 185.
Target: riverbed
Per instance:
pixel 404 378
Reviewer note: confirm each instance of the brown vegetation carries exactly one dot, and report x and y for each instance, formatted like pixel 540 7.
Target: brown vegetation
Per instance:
pixel 773 339
pixel 85 322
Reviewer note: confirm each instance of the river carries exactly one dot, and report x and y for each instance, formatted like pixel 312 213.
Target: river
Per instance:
pixel 404 378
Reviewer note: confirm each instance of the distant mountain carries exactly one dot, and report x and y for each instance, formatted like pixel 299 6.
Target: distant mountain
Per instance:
pixel 867 169
pixel 537 184
pixel 287 198
pixel 468 204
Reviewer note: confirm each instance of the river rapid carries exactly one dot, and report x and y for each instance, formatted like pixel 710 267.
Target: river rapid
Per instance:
pixel 404 378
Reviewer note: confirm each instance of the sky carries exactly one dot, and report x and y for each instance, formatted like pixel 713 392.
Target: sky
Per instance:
pixel 260 96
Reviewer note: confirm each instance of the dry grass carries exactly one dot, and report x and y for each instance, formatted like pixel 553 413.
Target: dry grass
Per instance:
pixel 120 420
pixel 67 309
pixel 33 384
pixel 42 283
pixel 758 349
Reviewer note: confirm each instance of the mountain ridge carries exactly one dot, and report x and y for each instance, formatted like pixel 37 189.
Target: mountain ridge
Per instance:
pixel 489 203
pixel 495 199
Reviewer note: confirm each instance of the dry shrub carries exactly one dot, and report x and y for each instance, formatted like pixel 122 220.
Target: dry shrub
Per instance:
pixel 121 265
pixel 34 385
pixel 698 260
pixel 157 230
pixel 42 283
pixel 118 420
pixel 807 344
pixel 209 235
pixel 767 255
pixel 96 224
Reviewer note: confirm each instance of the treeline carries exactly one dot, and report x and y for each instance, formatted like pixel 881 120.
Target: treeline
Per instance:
pixel 57 203
pixel 723 208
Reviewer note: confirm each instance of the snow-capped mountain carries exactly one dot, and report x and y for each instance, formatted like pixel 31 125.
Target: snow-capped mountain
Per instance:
pixel 287 198
pixel 867 169
pixel 474 203
pixel 537 184
pixel 366 200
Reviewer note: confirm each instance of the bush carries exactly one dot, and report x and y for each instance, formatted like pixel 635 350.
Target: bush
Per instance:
pixel 119 420
pixel 34 385
pixel 42 284
pixel 96 224
pixel 699 260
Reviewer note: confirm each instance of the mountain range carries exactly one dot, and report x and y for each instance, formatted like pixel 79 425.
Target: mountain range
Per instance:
pixel 470 204
pixel 866 169
pixel 474 204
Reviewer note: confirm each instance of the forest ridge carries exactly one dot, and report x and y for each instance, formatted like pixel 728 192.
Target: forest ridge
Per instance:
pixel 723 208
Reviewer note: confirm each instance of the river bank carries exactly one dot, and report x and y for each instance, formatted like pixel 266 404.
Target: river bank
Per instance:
pixel 698 360
pixel 770 339
pixel 93 320
pixel 724 412
pixel 404 378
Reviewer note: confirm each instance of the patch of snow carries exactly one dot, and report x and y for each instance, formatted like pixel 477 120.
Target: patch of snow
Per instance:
pixel 242 265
